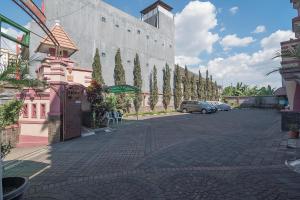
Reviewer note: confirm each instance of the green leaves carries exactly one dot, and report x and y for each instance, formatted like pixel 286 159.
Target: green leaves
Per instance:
pixel 97 68
pixel 186 85
pixel 153 89
pixel 167 93
pixel 9 113
pixel 177 87
pixel 137 82
pixel 244 90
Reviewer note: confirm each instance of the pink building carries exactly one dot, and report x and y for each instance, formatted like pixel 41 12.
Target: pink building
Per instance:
pixel 54 114
pixel 290 72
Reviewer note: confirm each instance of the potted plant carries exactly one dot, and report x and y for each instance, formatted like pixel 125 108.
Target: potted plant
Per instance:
pixel 13 187
pixel 294 131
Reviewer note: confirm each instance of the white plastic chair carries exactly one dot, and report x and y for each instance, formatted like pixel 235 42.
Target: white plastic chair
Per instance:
pixel 109 118
pixel 118 117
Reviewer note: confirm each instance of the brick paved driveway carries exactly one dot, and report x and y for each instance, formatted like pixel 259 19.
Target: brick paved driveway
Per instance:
pixel 228 155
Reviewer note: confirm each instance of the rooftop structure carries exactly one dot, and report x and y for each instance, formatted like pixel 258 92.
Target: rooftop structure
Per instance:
pixel 67 46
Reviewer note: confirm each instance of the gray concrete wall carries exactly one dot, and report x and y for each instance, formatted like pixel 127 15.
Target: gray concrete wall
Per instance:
pixel 254 101
pixel 95 24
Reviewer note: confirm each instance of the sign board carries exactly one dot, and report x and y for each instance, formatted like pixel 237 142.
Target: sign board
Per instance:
pixel 35 10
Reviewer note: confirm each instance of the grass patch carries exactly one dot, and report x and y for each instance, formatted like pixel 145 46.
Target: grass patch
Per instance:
pixel 151 113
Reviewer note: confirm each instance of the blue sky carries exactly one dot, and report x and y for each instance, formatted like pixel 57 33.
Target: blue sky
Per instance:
pixel 232 35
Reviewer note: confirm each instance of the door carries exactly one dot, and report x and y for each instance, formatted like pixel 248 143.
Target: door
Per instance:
pixel 72 112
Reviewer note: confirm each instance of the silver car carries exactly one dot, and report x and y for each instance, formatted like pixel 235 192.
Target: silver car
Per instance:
pixel 196 106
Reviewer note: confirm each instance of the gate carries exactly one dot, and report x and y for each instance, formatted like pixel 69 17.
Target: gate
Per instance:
pixel 72 112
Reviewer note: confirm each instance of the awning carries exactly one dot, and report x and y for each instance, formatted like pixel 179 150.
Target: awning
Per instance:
pixel 120 89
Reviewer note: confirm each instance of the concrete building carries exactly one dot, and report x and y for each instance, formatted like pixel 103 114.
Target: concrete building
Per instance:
pixel 96 24
pixel 6 57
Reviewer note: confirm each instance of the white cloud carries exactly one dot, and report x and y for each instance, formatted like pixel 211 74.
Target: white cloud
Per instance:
pixel 7 44
pixel 260 29
pixel 185 60
pixel 234 10
pixel 250 68
pixel 194 26
pixel 271 42
pixel 234 41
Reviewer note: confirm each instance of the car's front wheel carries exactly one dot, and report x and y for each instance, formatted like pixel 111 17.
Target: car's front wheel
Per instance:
pixel 184 110
pixel 203 111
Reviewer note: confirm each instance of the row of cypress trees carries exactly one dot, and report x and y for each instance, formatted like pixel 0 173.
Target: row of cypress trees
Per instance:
pixel 194 88
pixel 186 87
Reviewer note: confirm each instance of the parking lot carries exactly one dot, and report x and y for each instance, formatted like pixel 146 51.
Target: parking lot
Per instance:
pixel 238 154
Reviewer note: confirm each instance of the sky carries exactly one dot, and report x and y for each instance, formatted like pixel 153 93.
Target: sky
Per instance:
pixel 235 40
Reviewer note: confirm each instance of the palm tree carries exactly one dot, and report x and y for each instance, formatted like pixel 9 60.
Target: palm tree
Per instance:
pixel 287 53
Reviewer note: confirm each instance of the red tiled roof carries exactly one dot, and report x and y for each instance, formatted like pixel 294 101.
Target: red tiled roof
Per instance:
pixel 62 37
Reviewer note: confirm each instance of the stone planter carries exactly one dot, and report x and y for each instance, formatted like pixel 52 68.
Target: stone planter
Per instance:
pixel 293 134
pixel 14 187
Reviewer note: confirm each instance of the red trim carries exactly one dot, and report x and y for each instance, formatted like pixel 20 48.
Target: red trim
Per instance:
pixel 33 122
pixel 80 69
pixel 43 111
pixel 54 73
pixel 33 111
pixel 25 110
pixel 58 82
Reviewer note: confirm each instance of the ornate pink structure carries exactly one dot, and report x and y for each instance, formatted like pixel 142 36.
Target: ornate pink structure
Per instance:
pixel 54 114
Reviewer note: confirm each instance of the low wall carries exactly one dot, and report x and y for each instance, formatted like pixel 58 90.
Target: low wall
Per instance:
pixel 288 118
pixel 10 134
pixel 253 101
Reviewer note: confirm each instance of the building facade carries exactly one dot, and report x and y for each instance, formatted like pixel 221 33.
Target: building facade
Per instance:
pixel 290 72
pixel 6 57
pixel 96 24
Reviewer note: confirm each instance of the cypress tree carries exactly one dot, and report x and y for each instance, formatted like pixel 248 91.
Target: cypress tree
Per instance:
pixel 153 89
pixel 177 87
pixel 97 69
pixel 206 88
pixel 199 86
pixel 216 91
pixel 211 88
pixel 186 85
pixel 193 88
pixel 137 82
pixel 167 94
pixel 119 72
pixel 119 76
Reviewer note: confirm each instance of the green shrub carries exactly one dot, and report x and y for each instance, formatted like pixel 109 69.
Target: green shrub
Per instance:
pixel 9 113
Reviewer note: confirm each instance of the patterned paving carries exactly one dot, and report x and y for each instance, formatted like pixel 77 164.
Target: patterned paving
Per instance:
pixel 228 155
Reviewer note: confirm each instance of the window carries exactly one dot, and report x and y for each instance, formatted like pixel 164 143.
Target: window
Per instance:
pixel 52 51
pixel 25 111
pixel 128 61
pixel 138 32
pixel 103 19
pixel 117 25
pixel 43 111
pixel 155 40
pixel 148 36
pixel 170 46
pixel 33 110
pixel 129 30
pixel 103 54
